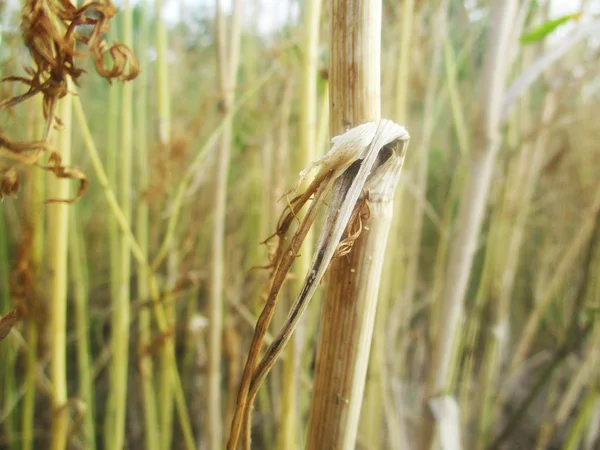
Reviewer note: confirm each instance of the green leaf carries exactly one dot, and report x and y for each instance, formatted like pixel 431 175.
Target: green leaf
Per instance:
pixel 539 33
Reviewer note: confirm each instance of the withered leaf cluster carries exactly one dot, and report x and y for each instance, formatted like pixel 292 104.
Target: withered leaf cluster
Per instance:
pixel 57 35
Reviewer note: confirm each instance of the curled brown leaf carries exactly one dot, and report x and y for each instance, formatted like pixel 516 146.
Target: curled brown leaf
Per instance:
pixel 55 166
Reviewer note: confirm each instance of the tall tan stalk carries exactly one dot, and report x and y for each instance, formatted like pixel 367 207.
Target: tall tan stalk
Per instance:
pixel 121 306
pixel 57 251
pixel 35 219
pixel 288 434
pixel 112 144
pixel 146 365
pixel 471 210
pixel 163 106
pixel 352 290
pixel 227 61
pixel 377 388
pixel 408 13
pixel 80 283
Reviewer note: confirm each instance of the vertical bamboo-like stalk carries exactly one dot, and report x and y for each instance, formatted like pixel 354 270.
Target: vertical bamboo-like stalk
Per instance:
pixel 35 218
pixel 351 297
pixel 163 105
pixel 121 308
pixel 288 434
pixel 79 278
pixel 112 143
pixel 227 62
pixel 401 107
pixel 151 429
pixel 393 273
pixel 471 210
pixel 58 230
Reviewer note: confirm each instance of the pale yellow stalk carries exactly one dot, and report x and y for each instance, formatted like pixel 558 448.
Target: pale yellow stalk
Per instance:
pixel 227 63
pixel 80 283
pixel 121 307
pixel 57 251
pixel 163 106
pixel 288 427
pixel 351 299
pixel 151 431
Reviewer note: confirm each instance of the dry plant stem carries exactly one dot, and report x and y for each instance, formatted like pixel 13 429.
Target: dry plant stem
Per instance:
pixel 278 345
pixel 112 139
pixel 377 389
pixel 145 361
pixel 288 427
pixel 80 283
pixel 157 307
pixel 227 61
pixel 121 306
pixel 285 259
pixel 35 217
pixel 349 313
pixel 471 212
pixel 58 229
pixel 408 13
pixel 355 41
pixel 163 100
pixel 346 193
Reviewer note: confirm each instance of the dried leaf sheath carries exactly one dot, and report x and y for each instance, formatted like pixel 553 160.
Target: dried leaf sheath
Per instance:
pixel 281 270
pixel 358 158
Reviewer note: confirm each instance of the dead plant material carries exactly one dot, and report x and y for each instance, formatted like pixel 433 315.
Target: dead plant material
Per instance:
pixel 55 166
pixel 360 214
pixel 7 322
pixel 53 30
pixel 346 169
pixel 281 264
pixel 9 182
